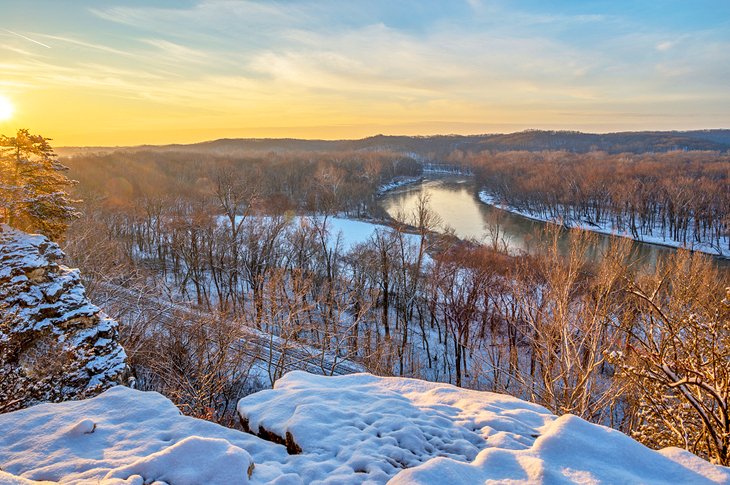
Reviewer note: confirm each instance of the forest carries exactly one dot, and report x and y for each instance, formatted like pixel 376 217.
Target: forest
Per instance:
pixel 254 244
pixel 681 196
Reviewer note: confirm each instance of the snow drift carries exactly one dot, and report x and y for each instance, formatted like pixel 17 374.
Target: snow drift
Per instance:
pixel 121 436
pixel 377 426
pixel 349 429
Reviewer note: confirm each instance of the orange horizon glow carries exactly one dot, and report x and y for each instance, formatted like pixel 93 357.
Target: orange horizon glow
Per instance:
pixel 121 75
pixel 81 120
pixel 84 125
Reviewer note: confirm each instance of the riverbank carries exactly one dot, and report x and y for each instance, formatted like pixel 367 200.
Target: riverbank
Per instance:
pixel 428 170
pixel 397 183
pixel 606 228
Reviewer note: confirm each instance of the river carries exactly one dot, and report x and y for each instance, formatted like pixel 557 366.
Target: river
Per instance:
pixel 454 199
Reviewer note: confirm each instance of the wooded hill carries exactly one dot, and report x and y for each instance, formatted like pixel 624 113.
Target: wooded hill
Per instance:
pixel 440 145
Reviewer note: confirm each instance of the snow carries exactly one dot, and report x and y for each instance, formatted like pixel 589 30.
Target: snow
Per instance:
pixel 48 300
pixel 376 426
pixel 131 437
pixel 396 183
pixel 692 462
pixel 351 232
pixel 446 169
pixel 350 429
pixel 571 450
pixel 191 461
pixel 427 168
pixel 85 426
pixel 8 479
pixel 606 227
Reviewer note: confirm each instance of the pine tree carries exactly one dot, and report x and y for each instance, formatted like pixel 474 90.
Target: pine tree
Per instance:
pixel 33 194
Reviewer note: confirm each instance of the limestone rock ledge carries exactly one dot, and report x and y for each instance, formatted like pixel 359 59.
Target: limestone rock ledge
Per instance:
pixel 46 321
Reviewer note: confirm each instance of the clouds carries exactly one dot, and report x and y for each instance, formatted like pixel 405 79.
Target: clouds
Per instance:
pixel 26 38
pixel 410 62
pixel 665 45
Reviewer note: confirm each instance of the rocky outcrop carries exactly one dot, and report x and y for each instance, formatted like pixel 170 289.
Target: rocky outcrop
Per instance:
pixel 54 343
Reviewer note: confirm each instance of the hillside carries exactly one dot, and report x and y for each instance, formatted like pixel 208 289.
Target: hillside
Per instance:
pixel 349 429
pixel 441 145
pixel 352 429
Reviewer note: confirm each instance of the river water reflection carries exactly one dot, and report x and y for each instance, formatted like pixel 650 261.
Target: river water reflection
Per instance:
pixel 455 201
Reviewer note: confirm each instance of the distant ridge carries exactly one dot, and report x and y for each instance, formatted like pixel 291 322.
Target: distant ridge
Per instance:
pixel 438 145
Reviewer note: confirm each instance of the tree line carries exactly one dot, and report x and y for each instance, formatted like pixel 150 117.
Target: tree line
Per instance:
pixel 341 181
pixel 681 196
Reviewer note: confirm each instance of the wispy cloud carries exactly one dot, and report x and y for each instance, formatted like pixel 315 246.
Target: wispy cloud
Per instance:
pixel 27 38
pixel 328 62
pixel 177 53
pixel 98 46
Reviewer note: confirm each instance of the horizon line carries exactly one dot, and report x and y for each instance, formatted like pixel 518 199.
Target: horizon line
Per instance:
pixel 436 135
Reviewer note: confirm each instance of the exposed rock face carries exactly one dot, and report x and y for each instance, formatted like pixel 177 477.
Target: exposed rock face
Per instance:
pixel 54 343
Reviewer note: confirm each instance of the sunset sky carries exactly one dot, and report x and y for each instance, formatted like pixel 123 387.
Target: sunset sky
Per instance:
pixel 122 73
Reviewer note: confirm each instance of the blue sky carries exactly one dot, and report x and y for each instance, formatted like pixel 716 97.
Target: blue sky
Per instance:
pixel 119 72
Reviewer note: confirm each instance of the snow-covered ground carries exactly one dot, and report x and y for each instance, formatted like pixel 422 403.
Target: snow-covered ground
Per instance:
pixel 350 429
pixel 571 450
pixel 353 232
pixel 606 227
pixel 349 233
pixel 446 169
pixel 397 183
pixel 127 436
pixel 376 426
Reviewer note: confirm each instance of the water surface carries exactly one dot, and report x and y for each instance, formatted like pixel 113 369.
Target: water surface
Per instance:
pixel 454 199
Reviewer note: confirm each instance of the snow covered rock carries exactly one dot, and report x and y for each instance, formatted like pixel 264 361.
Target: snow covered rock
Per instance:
pixel 138 437
pixel 376 426
pixel 85 426
pixel 571 450
pixel 55 344
pixel 409 431
pixel 351 429
pixel 191 461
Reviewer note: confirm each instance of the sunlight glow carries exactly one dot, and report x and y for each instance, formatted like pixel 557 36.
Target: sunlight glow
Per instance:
pixel 6 108
pixel 184 72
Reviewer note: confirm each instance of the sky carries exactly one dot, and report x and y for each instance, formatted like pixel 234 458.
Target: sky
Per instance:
pixel 108 72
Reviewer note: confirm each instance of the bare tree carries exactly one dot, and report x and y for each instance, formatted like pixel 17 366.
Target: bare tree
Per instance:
pixel 677 356
pixel 201 363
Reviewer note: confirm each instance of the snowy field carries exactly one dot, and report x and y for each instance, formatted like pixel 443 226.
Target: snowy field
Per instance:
pixel 350 429
pixel 352 232
pixel 607 228
pixel 349 233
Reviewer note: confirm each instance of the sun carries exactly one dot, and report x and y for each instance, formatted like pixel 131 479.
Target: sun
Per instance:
pixel 6 108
